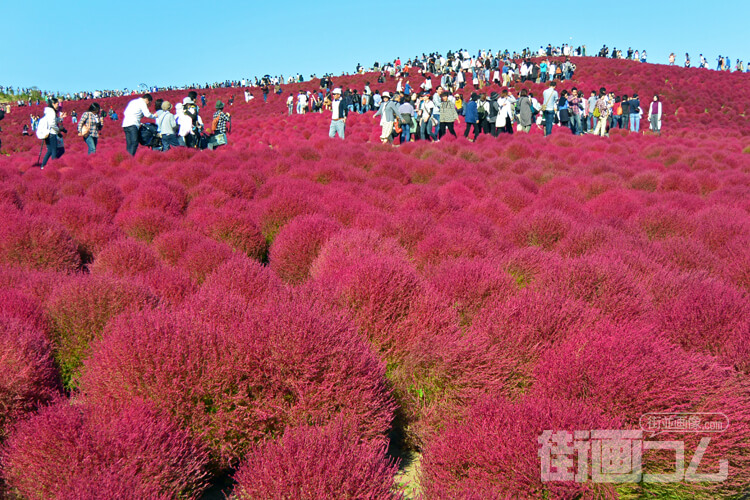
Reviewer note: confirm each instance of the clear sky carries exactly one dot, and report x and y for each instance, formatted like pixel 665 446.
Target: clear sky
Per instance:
pixel 89 45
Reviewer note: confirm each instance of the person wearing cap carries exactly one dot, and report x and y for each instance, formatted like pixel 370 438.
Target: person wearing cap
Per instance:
pixel 388 113
pixel 131 120
pixel 167 127
pixel 339 112
pixel 220 125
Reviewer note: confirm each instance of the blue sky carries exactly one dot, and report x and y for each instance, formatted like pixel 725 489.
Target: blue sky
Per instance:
pixel 88 45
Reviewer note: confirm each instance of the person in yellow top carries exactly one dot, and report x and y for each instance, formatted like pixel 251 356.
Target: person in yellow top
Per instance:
pixel 459 104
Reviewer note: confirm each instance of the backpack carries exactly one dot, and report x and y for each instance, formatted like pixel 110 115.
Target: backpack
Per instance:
pixel 481 111
pixel 42 129
pixel 147 135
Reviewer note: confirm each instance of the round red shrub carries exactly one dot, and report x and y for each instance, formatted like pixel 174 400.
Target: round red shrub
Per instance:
pixel 37 243
pixel 539 228
pixel 29 378
pixel 79 450
pixel 706 315
pixel 247 278
pixel 297 245
pixel 125 257
pixel 144 224
pixel 80 308
pixel 626 371
pixel 312 463
pixel 170 200
pixel 107 195
pixel 494 452
pixel 236 229
pixel 234 381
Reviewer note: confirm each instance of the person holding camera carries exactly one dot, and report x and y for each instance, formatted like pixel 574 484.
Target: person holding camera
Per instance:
pixel 89 127
pixel 131 120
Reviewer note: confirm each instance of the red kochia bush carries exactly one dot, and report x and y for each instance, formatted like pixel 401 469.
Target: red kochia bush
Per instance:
pixel 17 305
pixel 171 199
pixel 493 452
pixel 298 244
pixel 78 451
pixel 508 336
pixel 37 243
pixel 29 378
pixel 80 308
pixel 233 382
pixel 125 257
pixel 706 315
pixel 315 463
pixel 626 371
pixel 238 230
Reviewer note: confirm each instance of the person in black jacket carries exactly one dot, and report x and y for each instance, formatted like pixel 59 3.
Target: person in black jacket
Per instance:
pixel 339 111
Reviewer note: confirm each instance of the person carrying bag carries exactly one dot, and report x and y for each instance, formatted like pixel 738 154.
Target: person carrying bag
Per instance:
pixel 220 127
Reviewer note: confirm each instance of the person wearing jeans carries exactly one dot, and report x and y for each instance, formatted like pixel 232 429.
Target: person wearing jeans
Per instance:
pixel 549 101
pixel 51 123
pixel 131 120
pixel 92 120
pixel 339 111
pixel 635 116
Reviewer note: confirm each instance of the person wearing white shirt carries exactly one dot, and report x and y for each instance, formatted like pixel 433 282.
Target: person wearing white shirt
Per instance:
pixel 131 120
pixel 185 123
pixel 339 110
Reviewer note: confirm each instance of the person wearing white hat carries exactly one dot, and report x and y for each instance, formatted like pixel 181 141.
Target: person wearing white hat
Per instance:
pixel 339 110
pixel 388 113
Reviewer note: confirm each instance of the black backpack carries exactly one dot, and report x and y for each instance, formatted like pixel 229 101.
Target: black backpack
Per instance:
pixel 148 135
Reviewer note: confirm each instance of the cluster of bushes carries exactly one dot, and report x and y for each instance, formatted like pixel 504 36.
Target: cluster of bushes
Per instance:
pixel 271 311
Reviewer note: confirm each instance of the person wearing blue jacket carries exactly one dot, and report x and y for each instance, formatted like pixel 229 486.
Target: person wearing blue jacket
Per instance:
pixel 471 115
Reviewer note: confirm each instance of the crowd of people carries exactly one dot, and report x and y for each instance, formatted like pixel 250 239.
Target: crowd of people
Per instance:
pixel 724 63
pixel 429 116
pixel 183 128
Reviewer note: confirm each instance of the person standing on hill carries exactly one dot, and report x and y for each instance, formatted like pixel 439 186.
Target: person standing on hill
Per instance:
pixel 49 129
pixel 89 127
pixel 220 125
pixel 654 115
pixel 388 113
pixel 635 114
pixel 131 120
pixel 167 127
pixel 549 104
pixel 471 116
pixel 601 111
pixel 448 115
pixel 339 112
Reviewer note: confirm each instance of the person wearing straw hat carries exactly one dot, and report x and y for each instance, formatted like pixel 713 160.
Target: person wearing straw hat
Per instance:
pixel 167 127
pixel 339 111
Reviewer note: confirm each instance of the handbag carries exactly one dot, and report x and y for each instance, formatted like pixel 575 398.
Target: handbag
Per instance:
pixel 85 128
pixel 218 140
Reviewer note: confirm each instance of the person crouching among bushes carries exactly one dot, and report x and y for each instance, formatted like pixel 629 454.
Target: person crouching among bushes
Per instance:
pixel 339 111
pixel 89 127
pixel 220 126
pixel 167 126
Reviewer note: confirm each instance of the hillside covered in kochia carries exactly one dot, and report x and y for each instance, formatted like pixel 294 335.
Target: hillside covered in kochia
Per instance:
pixel 275 309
